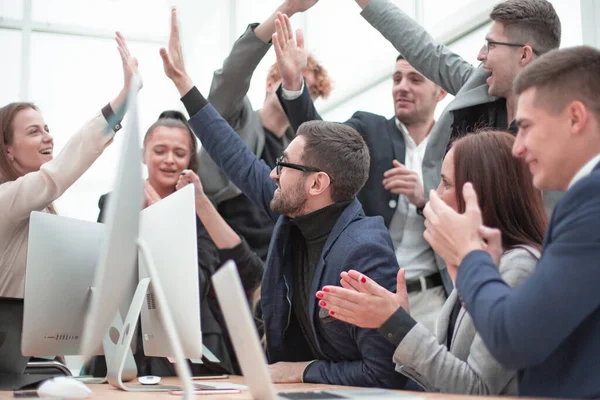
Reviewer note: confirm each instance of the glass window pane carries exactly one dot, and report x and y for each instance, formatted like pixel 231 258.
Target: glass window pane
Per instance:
pixel 11 9
pixel 107 15
pixel 570 19
pixel 10 72
pixel 437 11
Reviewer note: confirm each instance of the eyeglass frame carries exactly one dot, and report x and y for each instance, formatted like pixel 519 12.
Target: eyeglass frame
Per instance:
pixel 279 163
pixel 509 44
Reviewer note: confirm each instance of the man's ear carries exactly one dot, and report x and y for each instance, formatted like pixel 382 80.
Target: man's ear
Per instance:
pixel 527 55
pixel 441 94
pixel 143 155
pixel 578 117
pixel 319 183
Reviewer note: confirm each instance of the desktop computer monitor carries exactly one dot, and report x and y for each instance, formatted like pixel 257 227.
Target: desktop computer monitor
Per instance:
pixel 61 259
pixel 168 227
pixel 116 270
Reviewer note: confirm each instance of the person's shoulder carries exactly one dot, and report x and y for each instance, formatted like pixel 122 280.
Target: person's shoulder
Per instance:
pixel 368 117
pixel 365 229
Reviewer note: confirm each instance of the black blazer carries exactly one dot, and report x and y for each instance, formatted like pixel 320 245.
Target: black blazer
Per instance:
pixel 385 142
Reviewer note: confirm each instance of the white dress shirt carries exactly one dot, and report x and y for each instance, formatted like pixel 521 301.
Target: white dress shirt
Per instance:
pixel 585 170
pixel 412 250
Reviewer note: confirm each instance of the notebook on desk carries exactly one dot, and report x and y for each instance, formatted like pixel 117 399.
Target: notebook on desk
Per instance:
pixel 251 357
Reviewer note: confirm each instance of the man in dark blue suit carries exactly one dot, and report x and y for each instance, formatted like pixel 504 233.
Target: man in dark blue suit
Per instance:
pixel 548 328
pixel 320 231
pixel 394 189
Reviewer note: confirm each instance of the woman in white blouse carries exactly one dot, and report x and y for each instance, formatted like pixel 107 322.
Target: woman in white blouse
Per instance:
pixel 31 178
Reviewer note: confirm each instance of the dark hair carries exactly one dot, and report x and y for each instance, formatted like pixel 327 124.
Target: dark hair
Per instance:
pixel 563 76
pixel 7 116
pixel 504 187
pixel 532 22
pixel 341 152
pixel 176 119
pixel 400 57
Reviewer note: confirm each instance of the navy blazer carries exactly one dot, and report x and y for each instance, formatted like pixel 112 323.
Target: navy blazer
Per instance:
pixel 385 141
pixel 351 355
pixel 549 328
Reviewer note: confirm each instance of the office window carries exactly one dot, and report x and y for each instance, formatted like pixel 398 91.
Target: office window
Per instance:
pixel 10 67
pixel 11 9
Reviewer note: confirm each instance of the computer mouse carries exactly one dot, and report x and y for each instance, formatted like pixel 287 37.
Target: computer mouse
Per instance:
pixel 149 380
pixel 65 387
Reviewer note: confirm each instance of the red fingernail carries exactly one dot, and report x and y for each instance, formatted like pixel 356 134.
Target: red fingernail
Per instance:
pixel 322 303
pixel 363 279
pixel 320 295
pixel 331 313
pixel 325 290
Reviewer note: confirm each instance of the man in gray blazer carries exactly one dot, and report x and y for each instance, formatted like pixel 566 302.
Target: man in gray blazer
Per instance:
pixel 266 131
pixel 521 31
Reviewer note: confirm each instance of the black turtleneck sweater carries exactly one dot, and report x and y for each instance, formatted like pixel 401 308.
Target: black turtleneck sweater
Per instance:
pixel 308 236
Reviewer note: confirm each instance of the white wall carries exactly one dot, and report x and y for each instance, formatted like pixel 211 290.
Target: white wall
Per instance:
pixel 70 66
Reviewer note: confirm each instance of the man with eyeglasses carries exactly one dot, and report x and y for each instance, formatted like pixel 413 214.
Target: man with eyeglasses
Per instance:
pixel 320 231
pixel 521 30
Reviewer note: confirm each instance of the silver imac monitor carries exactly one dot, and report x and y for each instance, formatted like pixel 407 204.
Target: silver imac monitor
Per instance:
pixel 61 260
pixel 116 272
pixel 169 230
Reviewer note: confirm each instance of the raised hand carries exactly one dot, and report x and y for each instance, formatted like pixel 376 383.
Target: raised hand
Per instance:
pixel 403 181
pixel 361 301
pixel 188 176
pixel 172 58
pixel 130 63
pixel 450 234
pixel 291 57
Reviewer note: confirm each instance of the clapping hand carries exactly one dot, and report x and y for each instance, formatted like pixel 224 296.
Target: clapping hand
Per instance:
pixel 361 301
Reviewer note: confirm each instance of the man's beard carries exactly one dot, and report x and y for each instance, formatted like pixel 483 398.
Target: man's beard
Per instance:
pixel 291 203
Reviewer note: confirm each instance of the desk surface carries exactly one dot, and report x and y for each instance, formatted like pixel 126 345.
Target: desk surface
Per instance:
pixel 105 391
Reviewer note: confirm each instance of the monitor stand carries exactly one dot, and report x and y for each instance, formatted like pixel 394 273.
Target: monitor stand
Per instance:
pixel 116 369
pixel 110 343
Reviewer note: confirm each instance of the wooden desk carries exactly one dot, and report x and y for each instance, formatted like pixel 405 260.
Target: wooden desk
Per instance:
pixel 106 391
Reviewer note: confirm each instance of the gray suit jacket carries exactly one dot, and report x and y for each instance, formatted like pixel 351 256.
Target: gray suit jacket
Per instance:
pixel 467 367
pixel 228 96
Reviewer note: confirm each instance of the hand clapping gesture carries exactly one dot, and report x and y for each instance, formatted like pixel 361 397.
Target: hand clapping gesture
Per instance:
pixel 362 301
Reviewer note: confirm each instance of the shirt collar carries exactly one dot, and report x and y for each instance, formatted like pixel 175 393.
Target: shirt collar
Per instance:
pixel 585 170
pixel 408 140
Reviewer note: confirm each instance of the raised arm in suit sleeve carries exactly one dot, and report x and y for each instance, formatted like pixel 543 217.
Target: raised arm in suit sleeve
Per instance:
pixel 434 60
pixel 376 259
pixel 301 109
pixel 231 82
pixel 229 152
pixel 522 327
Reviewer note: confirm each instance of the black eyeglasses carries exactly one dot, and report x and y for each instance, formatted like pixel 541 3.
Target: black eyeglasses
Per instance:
pixel 304 168
pixel 493 42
